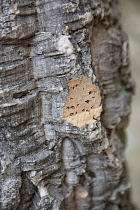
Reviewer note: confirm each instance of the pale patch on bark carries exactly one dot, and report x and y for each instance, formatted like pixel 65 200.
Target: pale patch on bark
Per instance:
pixel 82 193
pixel 83 105
pixel 88 17
pixel 42 191
pixel 64 45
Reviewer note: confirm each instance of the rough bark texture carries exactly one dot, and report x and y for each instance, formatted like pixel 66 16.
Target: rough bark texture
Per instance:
pixel 46 161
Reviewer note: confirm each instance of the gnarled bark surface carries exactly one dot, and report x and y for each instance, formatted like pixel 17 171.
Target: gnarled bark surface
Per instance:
pixel 46 161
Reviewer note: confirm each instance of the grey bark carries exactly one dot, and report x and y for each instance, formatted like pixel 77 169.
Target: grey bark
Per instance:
pixel 46 161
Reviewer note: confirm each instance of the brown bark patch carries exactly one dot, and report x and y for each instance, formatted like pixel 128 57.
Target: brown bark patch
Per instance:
pixel 83 104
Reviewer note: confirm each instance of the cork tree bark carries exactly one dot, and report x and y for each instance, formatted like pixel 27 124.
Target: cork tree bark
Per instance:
pixel 65 95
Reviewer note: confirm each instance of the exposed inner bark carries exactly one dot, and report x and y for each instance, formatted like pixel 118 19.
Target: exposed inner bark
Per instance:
pixel 83 105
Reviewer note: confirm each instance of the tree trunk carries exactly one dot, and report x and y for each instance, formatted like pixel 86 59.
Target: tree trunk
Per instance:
pixel 62 63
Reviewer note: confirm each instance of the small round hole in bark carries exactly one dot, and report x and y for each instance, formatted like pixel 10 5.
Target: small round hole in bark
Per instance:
pixel 87 101
pixel 71 114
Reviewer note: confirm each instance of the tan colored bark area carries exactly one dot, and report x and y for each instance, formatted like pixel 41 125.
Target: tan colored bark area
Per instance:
pixel 83 103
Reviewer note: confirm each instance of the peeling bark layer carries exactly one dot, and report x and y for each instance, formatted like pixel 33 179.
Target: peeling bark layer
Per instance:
pixel 47 162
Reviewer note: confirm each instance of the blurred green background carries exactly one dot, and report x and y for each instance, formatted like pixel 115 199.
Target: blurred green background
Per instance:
pixel 131 25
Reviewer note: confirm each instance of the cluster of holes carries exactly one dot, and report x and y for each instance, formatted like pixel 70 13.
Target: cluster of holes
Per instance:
pixel 82 113
pixel 85 110
pixel 87 101
pixel 70 107
pixel 74 86
pixel 71 114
